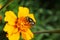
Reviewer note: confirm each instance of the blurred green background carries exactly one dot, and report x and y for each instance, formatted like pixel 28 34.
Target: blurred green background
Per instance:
pixel 46 12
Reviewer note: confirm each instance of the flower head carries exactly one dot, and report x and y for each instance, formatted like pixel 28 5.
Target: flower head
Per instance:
pixel 18 25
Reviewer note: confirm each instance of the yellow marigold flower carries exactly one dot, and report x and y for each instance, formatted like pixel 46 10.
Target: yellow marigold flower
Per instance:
pixel 20 25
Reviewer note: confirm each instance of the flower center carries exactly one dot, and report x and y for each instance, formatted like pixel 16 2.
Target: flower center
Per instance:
pixel 22 24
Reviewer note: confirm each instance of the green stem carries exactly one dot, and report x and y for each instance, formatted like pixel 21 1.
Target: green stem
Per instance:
pixel 7 4
pixel 47 31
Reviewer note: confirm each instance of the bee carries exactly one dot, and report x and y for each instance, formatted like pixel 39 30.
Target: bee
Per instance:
pixel 30 20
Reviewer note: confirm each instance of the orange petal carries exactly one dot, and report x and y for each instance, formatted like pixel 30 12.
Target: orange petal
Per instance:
pixel 10 17
pixel 27 35
pixel 14 36
pixel 23 11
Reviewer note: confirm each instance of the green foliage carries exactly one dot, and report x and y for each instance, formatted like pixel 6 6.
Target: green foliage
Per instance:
pixel 47 17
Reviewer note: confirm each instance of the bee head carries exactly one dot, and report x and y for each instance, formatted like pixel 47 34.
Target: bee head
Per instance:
pixel 30 20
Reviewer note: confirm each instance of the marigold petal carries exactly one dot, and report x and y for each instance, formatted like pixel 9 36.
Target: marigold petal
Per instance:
pixel 23 11
pixel 10 29
pixel 30 33
pixel 27 35
pixel 15 36
pixel 10 17
pixel 32 16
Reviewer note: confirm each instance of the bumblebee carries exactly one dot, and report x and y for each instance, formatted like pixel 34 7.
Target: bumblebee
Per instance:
pixel 30 20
